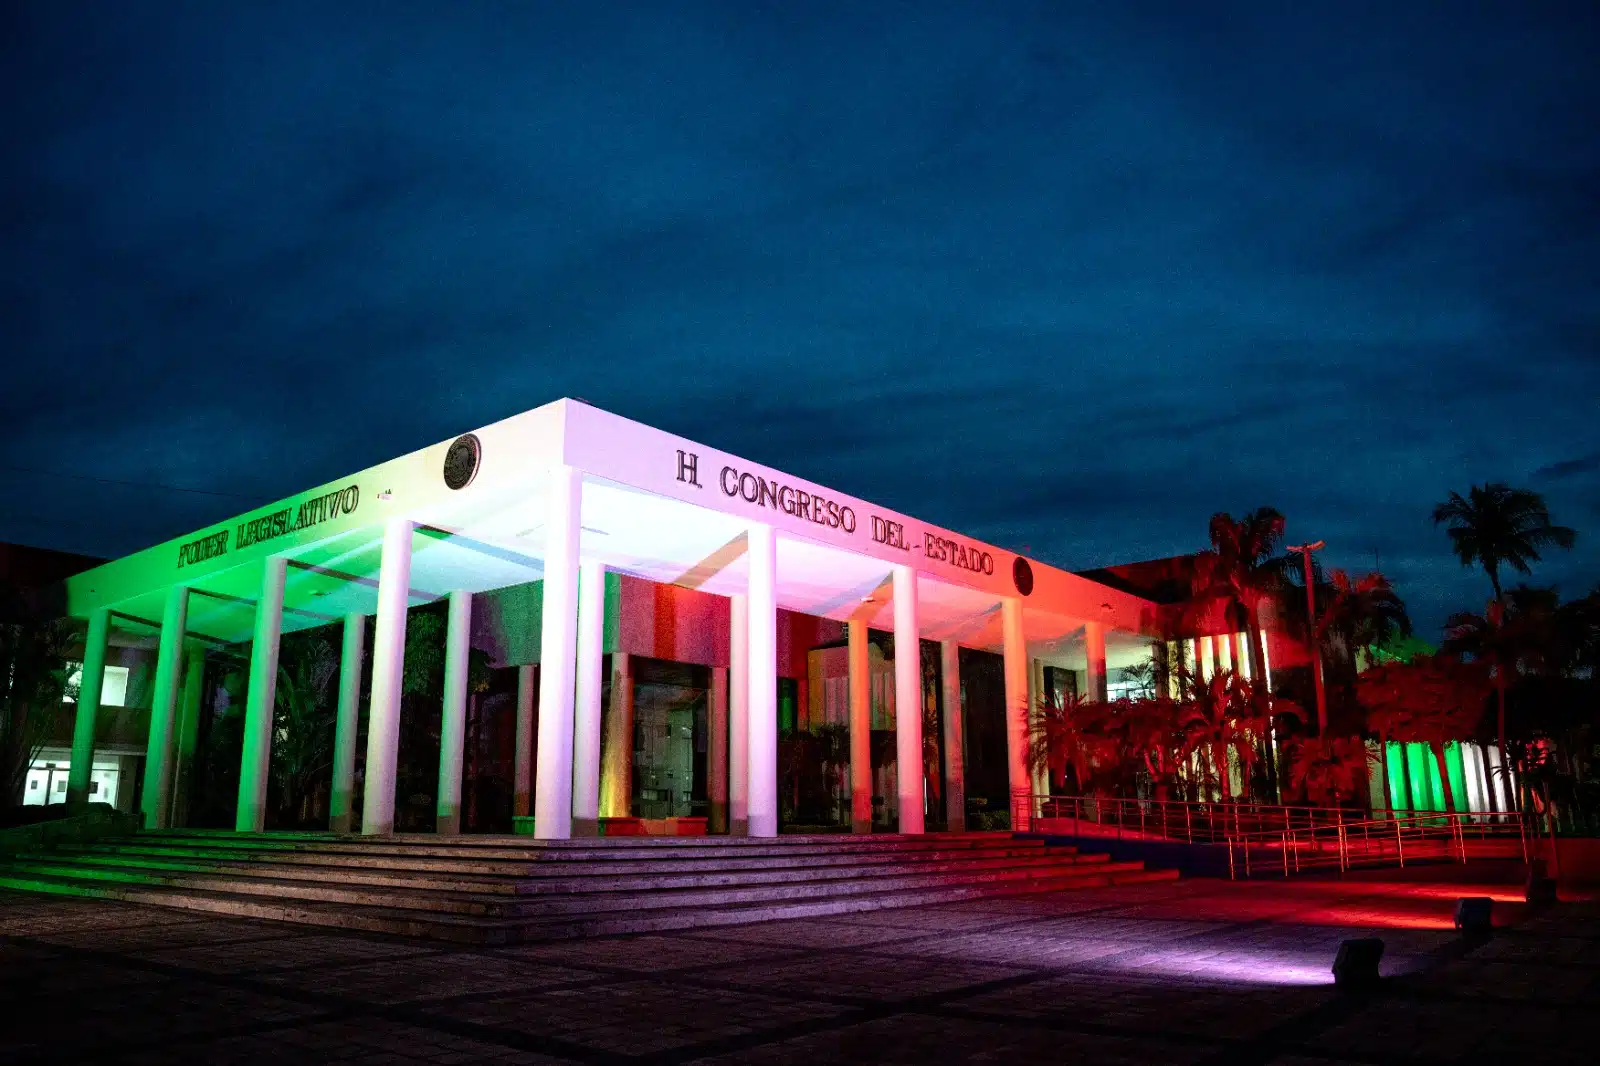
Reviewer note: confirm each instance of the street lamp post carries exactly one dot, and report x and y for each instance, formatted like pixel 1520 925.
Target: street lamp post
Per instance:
pixel 1305 551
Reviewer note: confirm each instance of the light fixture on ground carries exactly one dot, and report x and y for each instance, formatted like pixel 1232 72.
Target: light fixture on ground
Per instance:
pixel 1356 964
pixel 1475 914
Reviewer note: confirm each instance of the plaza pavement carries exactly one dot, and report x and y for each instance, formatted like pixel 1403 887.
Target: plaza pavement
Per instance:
pixel 1173 973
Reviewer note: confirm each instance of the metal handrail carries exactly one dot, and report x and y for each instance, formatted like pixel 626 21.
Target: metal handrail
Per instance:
pixel 1370 842
pixel 1297 836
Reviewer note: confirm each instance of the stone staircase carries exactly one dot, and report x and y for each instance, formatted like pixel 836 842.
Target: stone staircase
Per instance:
pixel 499 889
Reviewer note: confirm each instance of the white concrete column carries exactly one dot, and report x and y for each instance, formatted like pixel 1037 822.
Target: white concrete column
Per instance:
pixel 89 685
pixel 453 719
pixel 1204 671
pixel 955 787
pixel 860 727
pixel 1016 676
pixel 738 715
pixel 558 649
pixel 586 700
pixel 908 701
pixel 763 664
pixel 717 756
pixel 1094 640
pixel 187 735
pixel 388 677
pixel 616 753
pixel 341 800
pixel 522 758
pixel 255 761
pixel 156 798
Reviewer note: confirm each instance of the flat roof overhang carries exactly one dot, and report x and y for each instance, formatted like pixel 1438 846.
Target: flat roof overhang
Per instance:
pixel 655 506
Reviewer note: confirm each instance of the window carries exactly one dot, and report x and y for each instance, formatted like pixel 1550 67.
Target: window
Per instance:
pixel 113 690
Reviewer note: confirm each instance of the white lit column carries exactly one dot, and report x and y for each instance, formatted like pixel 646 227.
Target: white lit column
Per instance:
pixel 388 677
pixel 1016 675
pixel 955 788
pixel 255 761
pixel 341 800
pixel 908 700
pixel 717 757
pixel 453 719
pixel 156 797
pixel 558 649
pixel 587 705
pixel 763 664
pixel 522 758
pixel 738 715
pixel 1094 641
pixel 860 727
pixel 89 685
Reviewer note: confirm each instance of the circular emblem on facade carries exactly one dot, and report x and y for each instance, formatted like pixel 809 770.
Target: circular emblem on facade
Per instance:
pixel 461 461
pixel 1022 575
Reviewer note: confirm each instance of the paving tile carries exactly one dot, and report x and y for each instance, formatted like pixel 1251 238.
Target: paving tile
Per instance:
pixel 70 1027
pixel 648 953
pixel 639 1017
pixel 907 1039
pixel 1149 1004
pixel 430 976
pixel 296 952
pixel 1021 947
pixel 884 978
pixel 1464 1030
pixel 355 1041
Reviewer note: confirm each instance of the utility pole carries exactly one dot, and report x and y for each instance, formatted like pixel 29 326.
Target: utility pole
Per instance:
pixel 1305 551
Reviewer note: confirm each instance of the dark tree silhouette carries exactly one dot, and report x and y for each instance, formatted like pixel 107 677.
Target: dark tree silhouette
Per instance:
pixel 1495 525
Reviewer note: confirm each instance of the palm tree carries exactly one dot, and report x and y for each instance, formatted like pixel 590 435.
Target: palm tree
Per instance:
pixel 1515 631
pixel 1495 525
pixel 1328 769
pixel 1243 571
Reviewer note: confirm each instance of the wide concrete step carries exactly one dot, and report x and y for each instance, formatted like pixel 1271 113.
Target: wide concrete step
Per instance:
pixel 600 850
pixel 595 900
pixel 537 880
pixel 137 850
pixel 487 931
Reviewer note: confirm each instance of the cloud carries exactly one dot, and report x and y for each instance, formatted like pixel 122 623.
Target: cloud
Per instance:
pixel 1064 278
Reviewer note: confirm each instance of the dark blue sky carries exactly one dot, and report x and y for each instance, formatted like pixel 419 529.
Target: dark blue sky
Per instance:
pixel 1064 277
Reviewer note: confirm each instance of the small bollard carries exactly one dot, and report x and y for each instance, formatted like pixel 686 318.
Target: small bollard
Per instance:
pixel 1355 967
pixel 1475 914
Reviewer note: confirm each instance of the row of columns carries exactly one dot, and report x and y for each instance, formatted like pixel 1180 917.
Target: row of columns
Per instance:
pixel 557 773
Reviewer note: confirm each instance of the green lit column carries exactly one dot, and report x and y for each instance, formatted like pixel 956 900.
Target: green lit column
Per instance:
pixel 187 734
pixel 255 760
pixel 453 722
pixel 156 801
pixel 344 729
pixel 94 674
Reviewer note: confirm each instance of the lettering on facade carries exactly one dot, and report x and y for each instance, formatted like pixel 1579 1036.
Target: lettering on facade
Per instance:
pixel 753 488
pixel 957 554
pixel 689 468
pixel 889 533
pixel 312 512
pixel 202 548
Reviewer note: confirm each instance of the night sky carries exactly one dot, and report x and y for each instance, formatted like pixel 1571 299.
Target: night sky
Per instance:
pixel 1065 278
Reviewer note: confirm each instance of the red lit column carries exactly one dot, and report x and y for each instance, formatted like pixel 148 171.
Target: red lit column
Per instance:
pixel 860 727
pixel 738 715
pixel 1016 677
pixel 522 758
pixel 955 788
